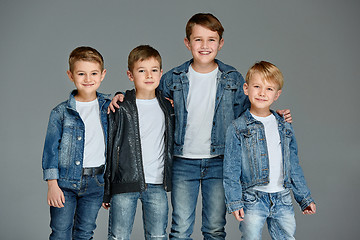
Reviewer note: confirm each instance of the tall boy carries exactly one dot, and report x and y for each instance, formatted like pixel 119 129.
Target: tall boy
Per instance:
pixel 139 155
pixel 74 151
pixel 207 96
pixel 261 164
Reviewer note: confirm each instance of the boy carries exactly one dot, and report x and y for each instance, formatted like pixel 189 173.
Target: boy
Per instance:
pixel 74 151
pixel 207 95
pixel 139 158
pixel 261 163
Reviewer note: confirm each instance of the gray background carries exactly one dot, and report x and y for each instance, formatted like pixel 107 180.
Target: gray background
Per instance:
pixel 314 43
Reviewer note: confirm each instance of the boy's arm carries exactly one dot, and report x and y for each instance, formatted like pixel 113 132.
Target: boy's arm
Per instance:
pixel 232 171
pixel 286 114
pixel 300 190
pixel 50 159
pixel 118 97
pixel 241 101
pixel 112 128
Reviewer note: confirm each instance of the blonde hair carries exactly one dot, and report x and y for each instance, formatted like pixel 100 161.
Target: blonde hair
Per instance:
pixel 84 53
pixel 141 53
pixel 206 20
pixel 268 71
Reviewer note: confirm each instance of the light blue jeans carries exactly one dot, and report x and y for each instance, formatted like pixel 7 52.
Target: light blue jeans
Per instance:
pixel 274 208
pixel 77 219
pixel 188 176
pixel 155 213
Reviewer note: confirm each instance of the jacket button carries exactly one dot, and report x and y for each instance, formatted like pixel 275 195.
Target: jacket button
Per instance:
pixel 74 185
pixel 77 163
pixel 79 138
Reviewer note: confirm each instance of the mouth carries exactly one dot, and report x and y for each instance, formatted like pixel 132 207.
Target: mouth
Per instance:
pixel 149 82
pixel 88 85
pixel 204 52
pixel 260 99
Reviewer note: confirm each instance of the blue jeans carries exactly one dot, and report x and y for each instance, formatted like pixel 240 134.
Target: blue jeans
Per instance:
pixel 275 208
pixel 155 213
pixel 188 175
pixel 77 219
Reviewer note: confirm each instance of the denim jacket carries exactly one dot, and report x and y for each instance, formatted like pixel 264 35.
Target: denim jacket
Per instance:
pixel 230 102
pixel 64 143
pixel 246 162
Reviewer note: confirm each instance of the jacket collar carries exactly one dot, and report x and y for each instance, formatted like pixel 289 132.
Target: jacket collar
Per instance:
pixel 250 119
pixel 72 102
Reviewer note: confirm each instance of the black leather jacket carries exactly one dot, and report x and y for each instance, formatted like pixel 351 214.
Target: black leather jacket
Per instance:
pixel 124 167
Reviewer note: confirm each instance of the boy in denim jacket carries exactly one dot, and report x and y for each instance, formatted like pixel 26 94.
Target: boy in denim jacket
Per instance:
pixel 207 95
pixel 74 151
pixel 261 163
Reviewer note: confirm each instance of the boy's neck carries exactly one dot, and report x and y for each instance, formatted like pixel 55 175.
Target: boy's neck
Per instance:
pixel 145 95
pixel 204 68
pixel 260 112
pixel 83 97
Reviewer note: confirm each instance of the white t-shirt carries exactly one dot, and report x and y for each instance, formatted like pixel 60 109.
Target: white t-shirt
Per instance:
pixel 152 134
pixel 276 175
pixel 94 147
pixel 200 106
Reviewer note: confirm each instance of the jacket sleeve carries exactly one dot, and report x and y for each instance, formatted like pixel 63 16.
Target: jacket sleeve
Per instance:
pixel 164 85
pixel 50 158
pixel 241 100
pixel 232 171
pixel 113 124
pixel 300 189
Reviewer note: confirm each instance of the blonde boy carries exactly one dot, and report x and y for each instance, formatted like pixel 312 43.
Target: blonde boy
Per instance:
pixel 261 163
pixel 74 151
pixel 139 155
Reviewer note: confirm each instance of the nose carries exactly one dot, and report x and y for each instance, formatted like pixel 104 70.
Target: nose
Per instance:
pixel 86 78
pixel 148 74
pixel 262 92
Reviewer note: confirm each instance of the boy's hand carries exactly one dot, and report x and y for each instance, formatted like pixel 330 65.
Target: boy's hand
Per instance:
pixel 239 214
pixel 113 104
pixel 106 205
pixel 311 209
pixel 286 115
pixel 55 196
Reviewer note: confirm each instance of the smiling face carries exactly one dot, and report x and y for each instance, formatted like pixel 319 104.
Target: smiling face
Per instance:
pixel 204 45
pixel 86 76
pixel 262 94
pixel 146 75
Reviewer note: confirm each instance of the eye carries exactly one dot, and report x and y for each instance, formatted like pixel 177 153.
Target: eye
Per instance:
pixel 197 39
pixel 270 89
pixel 155 70
pixel 81 74
pixel 141 71
pixel 94 73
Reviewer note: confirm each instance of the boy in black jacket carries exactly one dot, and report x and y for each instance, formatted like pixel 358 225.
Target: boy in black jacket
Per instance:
pixel 139 155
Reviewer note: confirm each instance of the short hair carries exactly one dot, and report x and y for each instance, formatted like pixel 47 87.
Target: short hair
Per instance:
pixel 141 53
pixel 85 53
pixel 268 71
pixel 206 20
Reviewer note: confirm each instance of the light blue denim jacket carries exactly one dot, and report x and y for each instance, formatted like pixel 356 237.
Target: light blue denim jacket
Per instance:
pixel 64 143
pixel 229 104
pixel 246 162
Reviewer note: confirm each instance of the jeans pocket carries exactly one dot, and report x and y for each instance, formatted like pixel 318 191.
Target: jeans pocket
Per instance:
pixel 286 198
pixel 100 180
pixel 249 197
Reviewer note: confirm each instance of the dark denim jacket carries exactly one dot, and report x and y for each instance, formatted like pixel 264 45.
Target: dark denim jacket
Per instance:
pixel 64 143
pixel 229 104
pixel 246 162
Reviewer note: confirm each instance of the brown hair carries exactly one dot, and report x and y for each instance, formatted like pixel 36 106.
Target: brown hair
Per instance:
pixel 141 53
pixel 84 53
pixel 206 20
pixel 268 71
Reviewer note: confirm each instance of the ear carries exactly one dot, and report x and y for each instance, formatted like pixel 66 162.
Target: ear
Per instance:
pixel 70 75
pixel 161 73
pixel 277 95
pixel 246 88
pixel 221 44
pixel 130 75
pixel 103 74
pixel 187 43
